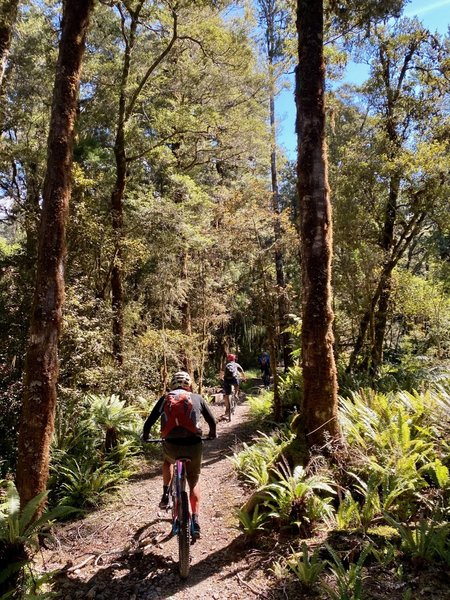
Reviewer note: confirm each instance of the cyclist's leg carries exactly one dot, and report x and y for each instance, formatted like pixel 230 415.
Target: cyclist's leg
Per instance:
pixel 167 473
pixel 193 474
pixel 227 390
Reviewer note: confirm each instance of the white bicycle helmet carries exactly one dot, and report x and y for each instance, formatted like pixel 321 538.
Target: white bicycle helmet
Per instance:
pixel 181 379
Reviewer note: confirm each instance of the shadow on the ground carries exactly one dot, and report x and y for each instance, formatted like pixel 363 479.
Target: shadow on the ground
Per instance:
pixel 143 575
pixel 140 574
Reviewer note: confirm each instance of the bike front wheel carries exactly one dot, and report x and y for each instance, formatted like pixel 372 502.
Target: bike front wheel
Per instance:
pixel 184 536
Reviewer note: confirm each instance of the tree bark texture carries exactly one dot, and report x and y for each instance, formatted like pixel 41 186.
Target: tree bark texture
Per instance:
pixel 8 15
pixel 41 371
pixel 318 364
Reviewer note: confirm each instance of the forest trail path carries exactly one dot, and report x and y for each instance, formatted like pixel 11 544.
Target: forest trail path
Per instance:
pixel 121 552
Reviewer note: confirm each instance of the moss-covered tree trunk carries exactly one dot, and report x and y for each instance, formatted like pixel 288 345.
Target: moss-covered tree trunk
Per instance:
pixel 8 14
pixel 318 364
pixel 41 371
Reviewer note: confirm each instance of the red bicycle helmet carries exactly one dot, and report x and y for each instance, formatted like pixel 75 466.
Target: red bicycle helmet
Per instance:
pixel 231 357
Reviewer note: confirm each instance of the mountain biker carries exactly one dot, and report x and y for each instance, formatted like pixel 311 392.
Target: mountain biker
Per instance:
pixel 232 376
pixel 179 441
pixel 264 365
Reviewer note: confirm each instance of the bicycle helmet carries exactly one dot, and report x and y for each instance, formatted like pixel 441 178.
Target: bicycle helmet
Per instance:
pixel 231 357
pixel 181 379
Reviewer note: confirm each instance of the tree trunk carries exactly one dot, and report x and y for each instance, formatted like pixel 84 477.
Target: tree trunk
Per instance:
pixel 41 372
pixel 125 111
pixel 409 233
pixel 318 364
pixel 380 320
pixel 186 319
pixel 8 15
pixel 117 226
pixel 279 259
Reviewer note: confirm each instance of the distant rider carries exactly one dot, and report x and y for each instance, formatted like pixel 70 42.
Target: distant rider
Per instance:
pixel 264 365
pixel 232 376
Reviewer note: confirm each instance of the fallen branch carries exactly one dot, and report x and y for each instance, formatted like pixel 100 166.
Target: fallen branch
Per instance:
pixel 100 556
pixel 81 564
pixel 250 587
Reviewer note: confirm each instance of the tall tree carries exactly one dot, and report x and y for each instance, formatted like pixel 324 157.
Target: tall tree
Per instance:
pixel 8 14
pixel 404 99
pixel 273 18
pixel 318 364
pixel 41 372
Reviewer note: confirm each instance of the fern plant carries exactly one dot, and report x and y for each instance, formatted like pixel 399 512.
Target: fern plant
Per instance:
pixel 429 541
pixel 251 523
pixel 18 531
pixel 84 483
pixel 348 513
pixel 348 581
pixel 253 462
pixel 110 414
pixel 296 498
pixel 305 566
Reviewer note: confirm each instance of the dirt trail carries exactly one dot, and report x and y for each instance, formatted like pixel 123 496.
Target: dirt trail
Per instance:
pixel 122 551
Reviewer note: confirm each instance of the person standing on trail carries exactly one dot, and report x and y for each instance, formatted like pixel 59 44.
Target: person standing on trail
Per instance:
pixel 232 376
pixel 180 411
pixel 264 365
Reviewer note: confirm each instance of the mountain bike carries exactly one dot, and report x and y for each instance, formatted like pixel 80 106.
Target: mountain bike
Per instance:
pixel 182 523
pixel 232 398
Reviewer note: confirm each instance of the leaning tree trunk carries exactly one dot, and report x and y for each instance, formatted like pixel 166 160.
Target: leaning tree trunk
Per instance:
pixel 41 371
pixel 381 315
pixel 318 364
pixel 8 14
pixel 125 112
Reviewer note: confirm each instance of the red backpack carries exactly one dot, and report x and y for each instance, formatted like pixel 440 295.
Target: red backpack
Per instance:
pixel 178 411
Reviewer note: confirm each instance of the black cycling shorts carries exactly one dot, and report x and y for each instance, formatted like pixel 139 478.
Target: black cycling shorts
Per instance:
pixel 228 383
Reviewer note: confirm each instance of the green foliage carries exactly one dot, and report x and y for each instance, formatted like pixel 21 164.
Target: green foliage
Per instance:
pixel 291 388
pixel 93 452
pixel 349 581
pixel 298 499
pixel 397 441
pixel 425 540
pixel 305 566
pixel 18 526
pixel 348 513
pixel 84 483
pixel 254 462
pixel 112 416
pixel 252 523
pixel 19 531
pixel 261 406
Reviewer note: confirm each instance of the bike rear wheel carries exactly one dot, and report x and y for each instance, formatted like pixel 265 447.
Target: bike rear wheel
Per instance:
pixel 184 536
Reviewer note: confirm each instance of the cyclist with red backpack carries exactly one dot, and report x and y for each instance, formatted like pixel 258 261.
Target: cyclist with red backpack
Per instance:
pixel 231 376
pixel 180 411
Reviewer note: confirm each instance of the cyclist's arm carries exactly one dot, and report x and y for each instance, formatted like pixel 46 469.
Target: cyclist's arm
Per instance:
pixel 209 418
pixel 152 418
pixel 241 370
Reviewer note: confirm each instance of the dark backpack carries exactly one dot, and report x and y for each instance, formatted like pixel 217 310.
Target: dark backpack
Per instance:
pixel 178 411
pixel 264 360
pixel 231 371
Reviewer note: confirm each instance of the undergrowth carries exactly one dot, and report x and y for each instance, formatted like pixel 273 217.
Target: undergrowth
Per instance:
pixel 392 477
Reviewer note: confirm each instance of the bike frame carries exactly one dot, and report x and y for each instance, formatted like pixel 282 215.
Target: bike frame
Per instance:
pixel 182 524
